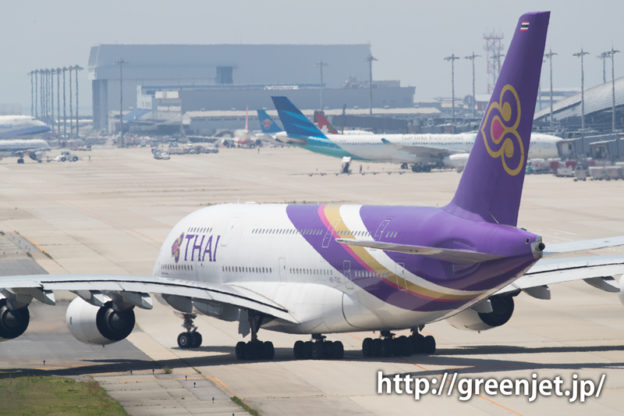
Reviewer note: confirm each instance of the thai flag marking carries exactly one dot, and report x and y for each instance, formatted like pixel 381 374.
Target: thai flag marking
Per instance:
pixel 524 26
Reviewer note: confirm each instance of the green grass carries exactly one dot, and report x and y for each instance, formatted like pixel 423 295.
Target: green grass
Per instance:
pixel 238 401
pixel 48 395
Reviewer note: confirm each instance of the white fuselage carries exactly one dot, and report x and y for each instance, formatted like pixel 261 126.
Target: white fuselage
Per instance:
pixel 370 146
pixel 21 127
pixel 257 248
pixel 19 147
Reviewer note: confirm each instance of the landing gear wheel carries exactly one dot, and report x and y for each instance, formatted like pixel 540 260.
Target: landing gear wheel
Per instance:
pixel 428 345
pixel 307 349
pixel 387 346
pixel 298 350
pixel 196 339
pixel 338 350
pixel 367 347
pixel 268 352
pixel 240 350
pixel 184 340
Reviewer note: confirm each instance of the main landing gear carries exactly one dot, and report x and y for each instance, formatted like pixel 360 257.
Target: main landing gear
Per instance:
pixel 318 348
pixel 191 338
pixel 388 346
pixel 255 349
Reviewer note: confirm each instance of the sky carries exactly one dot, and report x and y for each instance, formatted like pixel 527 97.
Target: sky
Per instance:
pixel 409 38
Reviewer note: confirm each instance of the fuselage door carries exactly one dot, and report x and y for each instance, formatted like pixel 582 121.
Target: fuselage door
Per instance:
pixel 348 274
pixel 381 229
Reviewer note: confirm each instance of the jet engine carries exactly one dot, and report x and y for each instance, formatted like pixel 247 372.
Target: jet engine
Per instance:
pixel 14 322
pixel 98 325
pixel 502 309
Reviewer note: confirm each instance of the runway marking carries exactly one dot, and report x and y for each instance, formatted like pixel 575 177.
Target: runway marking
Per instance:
pixel 221 385
pixel 500 405
pixel 34 243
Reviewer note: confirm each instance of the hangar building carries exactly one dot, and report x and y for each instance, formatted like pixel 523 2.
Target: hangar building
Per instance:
pixel 232 77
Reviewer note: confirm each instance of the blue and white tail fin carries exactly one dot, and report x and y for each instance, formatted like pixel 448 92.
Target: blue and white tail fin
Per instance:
pixel 295 123
pixel 491 184
pixel 267 124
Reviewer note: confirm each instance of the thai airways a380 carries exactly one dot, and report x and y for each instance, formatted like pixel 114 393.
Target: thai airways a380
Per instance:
pixel 315 270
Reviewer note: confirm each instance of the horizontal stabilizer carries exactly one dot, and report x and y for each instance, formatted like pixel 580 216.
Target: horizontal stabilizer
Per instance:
pixel 584 245
pixel 445 254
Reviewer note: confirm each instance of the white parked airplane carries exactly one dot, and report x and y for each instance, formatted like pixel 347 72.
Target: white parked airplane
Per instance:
pixel 421 151
pixel 12 127
pixel 318 269
pixel 17 137
pixel 34 148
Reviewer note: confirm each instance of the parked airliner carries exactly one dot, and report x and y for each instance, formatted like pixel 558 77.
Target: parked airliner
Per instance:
pixel 420 151
pixel 12 127
pixel 321 269
pixel 34 148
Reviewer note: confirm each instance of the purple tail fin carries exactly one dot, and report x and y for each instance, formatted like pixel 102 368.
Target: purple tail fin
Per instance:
pixel 491 185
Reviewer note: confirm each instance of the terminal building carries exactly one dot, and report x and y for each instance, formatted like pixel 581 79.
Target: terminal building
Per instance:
pixel 172 80
pixel 566 115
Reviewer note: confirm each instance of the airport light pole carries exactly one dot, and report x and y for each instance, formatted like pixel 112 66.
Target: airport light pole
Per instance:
pixel 612 53
pixel 474 99
pixel 43 96
pixel 121 63
pixel 322 64
pixel 58 101
pixel 603 56
pixel 581 54
pixel 52 99
pixel 77 68
pixel 36 73
pixel 452 58
pixel 41 107
pixel 32 95
pixel 370 60
pixel 549 55
pixel 71 120
pixel 48 109
pixel 64 106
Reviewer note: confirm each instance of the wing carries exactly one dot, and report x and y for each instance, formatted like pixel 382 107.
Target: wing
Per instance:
pixel 597 271
pixel 446 254
pixel 98 289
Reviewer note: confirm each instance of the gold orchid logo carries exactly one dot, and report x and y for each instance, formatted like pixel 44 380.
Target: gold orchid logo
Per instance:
pixel 500 132
pixel 175 248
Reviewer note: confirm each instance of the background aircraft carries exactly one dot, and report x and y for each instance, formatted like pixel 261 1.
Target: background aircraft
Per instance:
pixel 21 127
pixel 17 137
pixel 34 148
pixel 318 269
pixel 421 151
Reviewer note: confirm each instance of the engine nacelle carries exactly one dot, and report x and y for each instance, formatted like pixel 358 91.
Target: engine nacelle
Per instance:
pixel 502 309
pixel 621 294
pixel 13 323
pixel 98 325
